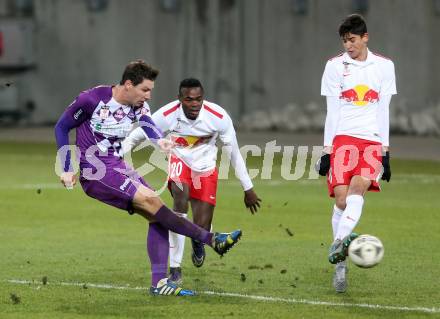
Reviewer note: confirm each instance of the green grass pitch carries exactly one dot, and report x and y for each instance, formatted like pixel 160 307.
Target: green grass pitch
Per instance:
pixel 61 243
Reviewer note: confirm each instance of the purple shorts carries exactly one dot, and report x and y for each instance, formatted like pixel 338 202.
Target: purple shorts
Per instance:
pixel 114 183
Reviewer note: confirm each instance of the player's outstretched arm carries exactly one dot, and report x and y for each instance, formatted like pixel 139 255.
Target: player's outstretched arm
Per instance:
pixel 229 139
pixel 251 200
pixel 147 130
pixel 138 135
pixel 135 137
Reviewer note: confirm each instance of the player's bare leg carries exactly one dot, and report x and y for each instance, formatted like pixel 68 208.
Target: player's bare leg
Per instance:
pixel 146 203
pixel 341 192
pixel 358 185
pixel 180 195
pixel 202 215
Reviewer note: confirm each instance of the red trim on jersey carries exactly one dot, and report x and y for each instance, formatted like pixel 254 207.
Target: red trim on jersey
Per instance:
pixel 379 55
pixel 337 56
pixel 171 110
pixel 212 111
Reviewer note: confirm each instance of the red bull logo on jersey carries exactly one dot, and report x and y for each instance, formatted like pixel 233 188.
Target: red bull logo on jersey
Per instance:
pixel 190 141
pixel 360 95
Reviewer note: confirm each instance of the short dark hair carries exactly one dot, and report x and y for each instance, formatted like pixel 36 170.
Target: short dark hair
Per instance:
pixel 137 71
pixel 354 24
pixel 190 83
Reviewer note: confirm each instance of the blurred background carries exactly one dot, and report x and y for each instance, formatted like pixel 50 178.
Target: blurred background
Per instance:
pixel 261 60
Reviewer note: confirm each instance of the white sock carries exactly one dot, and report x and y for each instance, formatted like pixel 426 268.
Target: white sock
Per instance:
pixel 351 216
pixel 177 245
pixel 337 213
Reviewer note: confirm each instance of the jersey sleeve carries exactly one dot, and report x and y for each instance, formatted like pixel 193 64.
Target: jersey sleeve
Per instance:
pixel 331 119
pixel 388 85
pixel 133 139
pixel 153 125
pixel 387 90
pixel 228 137
pixel 331 82
pixel 150 129
pixel 79 111
pixel 227 131
pixel 383 119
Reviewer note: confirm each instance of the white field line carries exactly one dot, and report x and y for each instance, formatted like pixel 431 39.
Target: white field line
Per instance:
pixel 245 296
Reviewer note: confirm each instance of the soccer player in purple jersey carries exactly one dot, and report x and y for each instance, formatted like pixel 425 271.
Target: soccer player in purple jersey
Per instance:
pixel 103 116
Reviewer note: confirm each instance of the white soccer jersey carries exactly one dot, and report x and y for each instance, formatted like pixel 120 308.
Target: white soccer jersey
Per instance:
pixel 196 139
pixel 359 85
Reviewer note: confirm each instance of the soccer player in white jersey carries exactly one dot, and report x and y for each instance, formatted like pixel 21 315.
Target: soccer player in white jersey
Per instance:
pixel 358 85
pixel 195 125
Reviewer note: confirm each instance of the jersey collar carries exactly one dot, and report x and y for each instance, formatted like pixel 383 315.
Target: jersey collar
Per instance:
pixel 368 61
pixel 183 117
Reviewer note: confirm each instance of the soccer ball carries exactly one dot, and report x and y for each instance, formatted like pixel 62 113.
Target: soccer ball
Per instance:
pixel 366 251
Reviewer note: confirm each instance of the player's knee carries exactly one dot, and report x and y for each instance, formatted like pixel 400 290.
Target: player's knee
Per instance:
pixel 341 203
pixel 180 205
pixel 356 190
pixel 151 203
pixel 180 198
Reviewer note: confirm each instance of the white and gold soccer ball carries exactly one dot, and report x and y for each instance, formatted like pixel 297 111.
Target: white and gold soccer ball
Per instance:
pixel 366 251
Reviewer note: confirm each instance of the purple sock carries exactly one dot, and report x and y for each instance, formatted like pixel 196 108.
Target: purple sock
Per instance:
pixel 168 219
pixel 158 248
